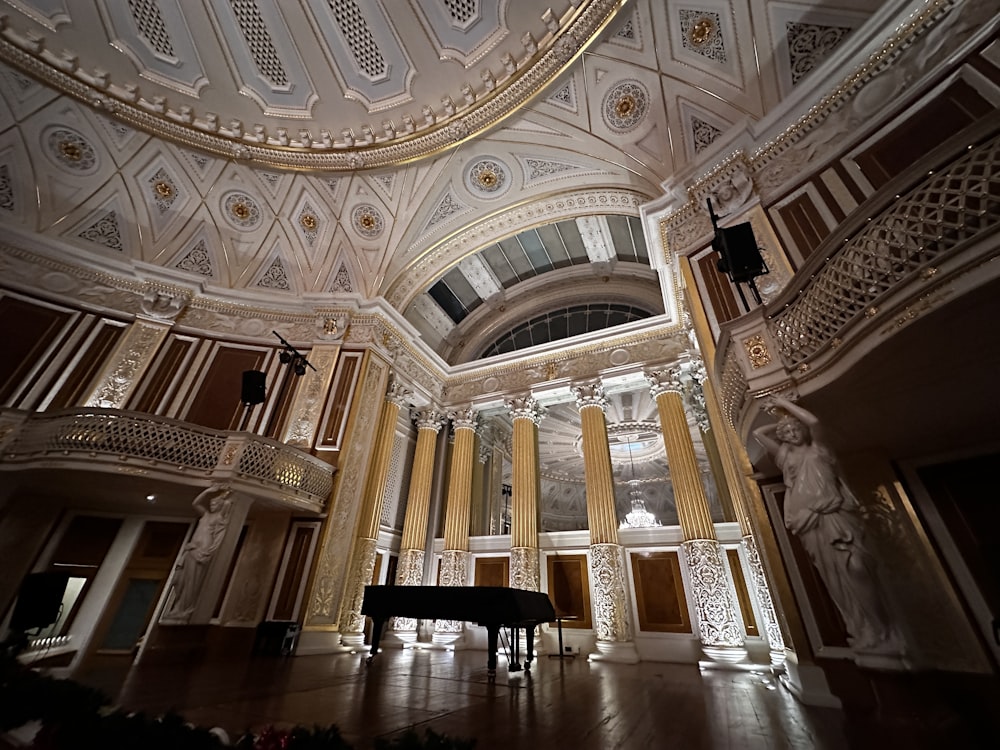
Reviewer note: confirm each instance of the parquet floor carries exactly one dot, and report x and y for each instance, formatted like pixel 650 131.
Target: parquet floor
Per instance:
pixel 559 704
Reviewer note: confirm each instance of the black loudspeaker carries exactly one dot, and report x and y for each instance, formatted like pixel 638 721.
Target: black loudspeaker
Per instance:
pixel 38 601
pixel 253 387
pixel 740 257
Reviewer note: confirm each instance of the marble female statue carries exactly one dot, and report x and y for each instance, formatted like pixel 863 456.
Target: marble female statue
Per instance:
pixel 823 513
pixel 213 505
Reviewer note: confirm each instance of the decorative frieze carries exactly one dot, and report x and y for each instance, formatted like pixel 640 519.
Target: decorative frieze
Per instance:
pixel 524 572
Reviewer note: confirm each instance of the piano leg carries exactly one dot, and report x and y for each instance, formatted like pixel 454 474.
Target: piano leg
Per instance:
pixel 492 632
pixel 377 625
pixel 515 649
pixel 529 639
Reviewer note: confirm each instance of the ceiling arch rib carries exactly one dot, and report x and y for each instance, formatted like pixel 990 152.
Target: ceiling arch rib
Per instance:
pixel 578 257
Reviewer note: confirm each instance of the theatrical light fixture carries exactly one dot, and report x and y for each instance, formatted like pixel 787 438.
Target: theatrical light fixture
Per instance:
pixel 293 357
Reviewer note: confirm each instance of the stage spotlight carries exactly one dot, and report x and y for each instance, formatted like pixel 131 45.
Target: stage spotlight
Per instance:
pixel 300 368
pixel 285 358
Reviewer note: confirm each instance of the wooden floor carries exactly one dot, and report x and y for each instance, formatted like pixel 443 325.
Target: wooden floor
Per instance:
pixel 568 703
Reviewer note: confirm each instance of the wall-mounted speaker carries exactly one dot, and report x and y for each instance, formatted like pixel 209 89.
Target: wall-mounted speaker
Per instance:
pixel 253 387
pixel 740 257
pixel 38 601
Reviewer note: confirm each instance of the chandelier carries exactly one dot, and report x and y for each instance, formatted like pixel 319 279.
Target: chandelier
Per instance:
pixel 639 517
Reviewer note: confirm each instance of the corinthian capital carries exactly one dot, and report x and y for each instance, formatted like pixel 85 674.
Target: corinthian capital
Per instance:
pixel 398 395
pixel 525 407
pixel 464 419
pixel 666 380
pixel 590 394
pixel 429 419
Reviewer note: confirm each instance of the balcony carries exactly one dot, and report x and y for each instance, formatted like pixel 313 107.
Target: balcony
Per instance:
pixel 157 449
pixel 927 238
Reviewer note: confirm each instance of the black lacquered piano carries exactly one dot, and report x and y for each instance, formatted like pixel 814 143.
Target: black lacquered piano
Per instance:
pixel 491 606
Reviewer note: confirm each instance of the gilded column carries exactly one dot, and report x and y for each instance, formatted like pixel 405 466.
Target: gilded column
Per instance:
pixel 526 413
pixel 363 558
pixel 612 617
pixel 718 622
pixel 458 509
pixel 411 548
pixel 479 524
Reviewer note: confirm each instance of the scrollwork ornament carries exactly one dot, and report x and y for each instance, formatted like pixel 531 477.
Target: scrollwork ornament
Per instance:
pixel 361 575
pixel 454 567
pixel 410 569
pixel 717 620
pixel 524 568
pixel 764 601
pixel 612 621
pixel 140 343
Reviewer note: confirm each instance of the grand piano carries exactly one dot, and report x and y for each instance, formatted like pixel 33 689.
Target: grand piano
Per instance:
pixel 491 606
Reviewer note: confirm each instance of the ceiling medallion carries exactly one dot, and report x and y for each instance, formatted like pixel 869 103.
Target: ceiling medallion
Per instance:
pixel 308 222
pixel 241 210
pixel 164 189
pixel 368 221
pixel 487 178
pixel 625 105
pixel 70 151
pixel 701 31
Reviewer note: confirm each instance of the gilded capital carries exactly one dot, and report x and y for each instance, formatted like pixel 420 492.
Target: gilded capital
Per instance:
pixel 398 395
pixel 429 419
pixel 525 407
pixel 590 394
pixel 464 419
pixel 666 380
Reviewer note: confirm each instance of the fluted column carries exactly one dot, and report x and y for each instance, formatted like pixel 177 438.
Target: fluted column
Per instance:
pixel 363 558
pixel 612 615
pixel 458 508
pixel 718 622
pixel 411 548
pixel 526 413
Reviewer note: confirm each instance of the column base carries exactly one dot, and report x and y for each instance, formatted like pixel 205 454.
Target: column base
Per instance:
pixel 320 642
pixel 404 637
pixel 777 661
pixel 881 662
pixel 725 657
pixel 353 641
pixel 807 683
pixel 449 641
pixel 619 652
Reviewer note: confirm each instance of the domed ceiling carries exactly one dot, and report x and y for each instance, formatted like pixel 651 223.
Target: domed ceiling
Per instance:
pixel 306 153
pixel 475 167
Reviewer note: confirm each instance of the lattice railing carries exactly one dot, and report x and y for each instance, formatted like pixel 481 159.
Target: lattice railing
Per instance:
pixel 120 434
pixel 109 435
pixel 286 467
pixel 947 209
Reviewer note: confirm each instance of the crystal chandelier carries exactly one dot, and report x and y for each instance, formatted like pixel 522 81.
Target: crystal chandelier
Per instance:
pixel 638 517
